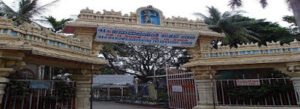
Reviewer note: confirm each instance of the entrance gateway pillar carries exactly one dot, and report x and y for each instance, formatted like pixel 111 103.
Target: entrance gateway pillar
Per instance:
pixel 296 82
pixel 9 62
pixel 294 72
pixel 83 89
pixel 205 86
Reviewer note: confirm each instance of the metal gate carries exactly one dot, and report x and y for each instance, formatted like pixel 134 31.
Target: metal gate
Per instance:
pixel 39 94
pixel 181 89
pixel 269 92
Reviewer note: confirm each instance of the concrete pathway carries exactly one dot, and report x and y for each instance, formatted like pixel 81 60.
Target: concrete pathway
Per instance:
pixel 113 105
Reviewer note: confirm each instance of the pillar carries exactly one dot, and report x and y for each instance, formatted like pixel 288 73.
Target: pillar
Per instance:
pixel 108 93
pixel 3 82
pixel 7 66
pixel 122 93
pixel 205 93
pixel 83 94
pixel 293 70
pixel 205 88
pixel 296 82
pixel 83 89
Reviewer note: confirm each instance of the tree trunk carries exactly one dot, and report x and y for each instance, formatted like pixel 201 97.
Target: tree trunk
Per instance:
pixel 295 5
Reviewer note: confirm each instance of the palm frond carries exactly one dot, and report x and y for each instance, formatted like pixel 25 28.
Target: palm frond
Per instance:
pixel 66 20
pixel 235 3
pixel 8 11
pixel 56 24
pixel 263 3
pixel 201 15
pixel 251 35
pixel 214 13
pixel 42 8
pixel 205 18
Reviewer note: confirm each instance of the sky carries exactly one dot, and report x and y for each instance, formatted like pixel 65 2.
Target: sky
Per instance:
pixel 274 12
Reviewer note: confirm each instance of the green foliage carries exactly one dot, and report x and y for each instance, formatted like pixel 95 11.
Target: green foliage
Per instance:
pixel 163 96
pixel 232 24
pixel 107 70
pixel 238 3
pixel 26 10
pixel 57 25
pixel 64 90
pixel 293 24
pixel 18 88
pixel 290 19
pixel 239 29
pixel 268 32
pixel 250 74
pixel 140 58
pixel 256 92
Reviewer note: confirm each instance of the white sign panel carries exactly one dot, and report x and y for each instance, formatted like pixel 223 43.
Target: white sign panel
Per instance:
pixel 248 82
pixel 177 89
pixel 145 37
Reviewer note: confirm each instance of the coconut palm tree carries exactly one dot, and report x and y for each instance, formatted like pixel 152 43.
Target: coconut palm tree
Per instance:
pixel 231 24
pixel 293 24
pixel 26 10
pixel 294 5
pixel 57 25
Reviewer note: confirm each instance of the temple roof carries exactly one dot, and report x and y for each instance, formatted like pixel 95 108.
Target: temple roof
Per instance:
pixel 90 19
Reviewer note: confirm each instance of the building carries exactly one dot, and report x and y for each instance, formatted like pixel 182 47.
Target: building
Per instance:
pixel 27 45
pixel 115 27
pixel 207 63
pixel 30 49
pixel 104 85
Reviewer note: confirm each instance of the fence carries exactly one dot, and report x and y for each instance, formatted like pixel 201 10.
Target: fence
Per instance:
pixel 150 93
pixel 267 92
pixel 181 89
pixel 39 94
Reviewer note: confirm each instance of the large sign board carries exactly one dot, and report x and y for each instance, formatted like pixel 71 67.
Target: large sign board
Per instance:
pixel 145 37
pixel 248 82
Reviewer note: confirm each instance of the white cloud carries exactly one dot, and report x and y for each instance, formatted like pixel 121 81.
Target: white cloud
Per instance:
pixel 184 8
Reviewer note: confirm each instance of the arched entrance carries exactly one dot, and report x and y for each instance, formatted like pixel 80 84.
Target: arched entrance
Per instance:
pixel 147 26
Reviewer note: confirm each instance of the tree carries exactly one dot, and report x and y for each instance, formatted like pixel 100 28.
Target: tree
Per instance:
pixel 262 30
pixel 57 25
pixel 268 32
pixel 25 11
pixel 294 5
pixel 140 60
pixel 231 24
pixel 293 24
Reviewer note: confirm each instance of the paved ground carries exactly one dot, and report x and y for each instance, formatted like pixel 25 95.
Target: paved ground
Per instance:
pixel 113 105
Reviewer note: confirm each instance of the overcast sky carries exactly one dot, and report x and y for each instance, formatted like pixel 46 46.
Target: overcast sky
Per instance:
pixel 184 8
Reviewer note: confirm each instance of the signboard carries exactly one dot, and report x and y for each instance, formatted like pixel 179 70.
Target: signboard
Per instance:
pixel 248 82
pixel 137 36
pixel 176 88
pixel 39 84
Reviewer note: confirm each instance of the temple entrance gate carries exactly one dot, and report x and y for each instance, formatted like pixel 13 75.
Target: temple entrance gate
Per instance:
pixel 181 89
pixel 147 26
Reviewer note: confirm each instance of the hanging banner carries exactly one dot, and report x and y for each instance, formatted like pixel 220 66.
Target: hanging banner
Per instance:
pixel 137 36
